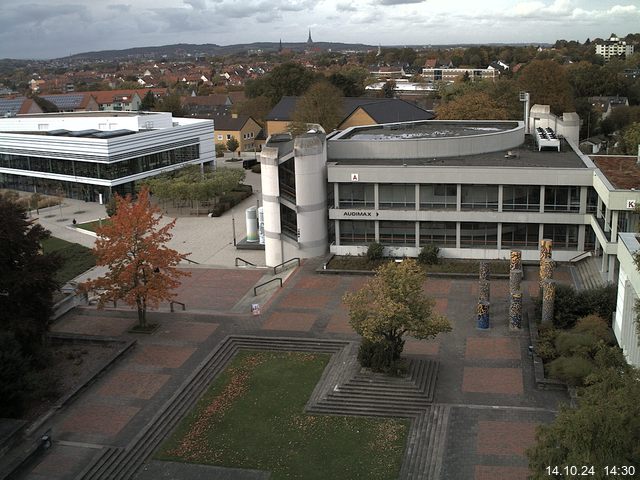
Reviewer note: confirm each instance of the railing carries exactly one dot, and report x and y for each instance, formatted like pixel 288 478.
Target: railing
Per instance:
pixel 246 262
pixel 191 261
pixel 580 256
pixel 184 307
pixel 296 259
pixel 255 289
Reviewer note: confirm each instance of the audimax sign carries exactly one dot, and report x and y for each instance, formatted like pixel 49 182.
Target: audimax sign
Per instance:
pixel 359 213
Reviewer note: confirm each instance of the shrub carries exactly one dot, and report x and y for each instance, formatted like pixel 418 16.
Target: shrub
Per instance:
pixel 571 370
pixel 595 326
pixel 564 309
pixel 375 251
pixel 573 343
pixel 382 356
pixel 545 348
pixel 14 369
pixel 429 255
pixel 571 305
pixel 256 168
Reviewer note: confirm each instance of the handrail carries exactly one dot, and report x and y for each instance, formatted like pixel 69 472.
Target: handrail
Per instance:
pixel 580 256
pixel 285 262
pixel 184 307
pixel 190 261
pixel 265 283
pixel 245 261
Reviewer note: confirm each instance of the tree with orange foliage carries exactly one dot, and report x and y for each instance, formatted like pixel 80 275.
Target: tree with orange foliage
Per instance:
pixel 142 270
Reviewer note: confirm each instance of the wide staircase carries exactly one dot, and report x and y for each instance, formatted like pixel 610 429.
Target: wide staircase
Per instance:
pixel 586 273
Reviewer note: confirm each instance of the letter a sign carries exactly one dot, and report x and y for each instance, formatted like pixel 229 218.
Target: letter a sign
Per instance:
pixel 354 177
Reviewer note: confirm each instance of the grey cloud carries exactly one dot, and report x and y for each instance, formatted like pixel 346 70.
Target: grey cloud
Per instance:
pixel 35 14
pixel 119 7
pixel 345 7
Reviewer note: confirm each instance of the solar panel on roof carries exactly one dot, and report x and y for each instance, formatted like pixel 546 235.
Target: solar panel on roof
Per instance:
pixel 67 101
pixel 11 105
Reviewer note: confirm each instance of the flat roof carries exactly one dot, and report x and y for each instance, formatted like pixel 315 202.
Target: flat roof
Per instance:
pixel 524 156
pixel 98 113
pixel 623 172
pixel 428 129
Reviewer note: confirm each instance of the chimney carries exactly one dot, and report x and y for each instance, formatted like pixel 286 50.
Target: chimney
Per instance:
pixel 234 115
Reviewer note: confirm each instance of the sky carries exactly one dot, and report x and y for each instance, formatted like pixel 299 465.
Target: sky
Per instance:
pixel 43 29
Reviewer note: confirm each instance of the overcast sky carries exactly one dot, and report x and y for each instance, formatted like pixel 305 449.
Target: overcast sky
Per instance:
pixel 56 28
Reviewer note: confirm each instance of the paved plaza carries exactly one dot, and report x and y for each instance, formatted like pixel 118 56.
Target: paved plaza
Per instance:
pixel 485 377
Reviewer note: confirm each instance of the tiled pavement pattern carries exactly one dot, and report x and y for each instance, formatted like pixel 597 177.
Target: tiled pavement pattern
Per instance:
pixel 485 378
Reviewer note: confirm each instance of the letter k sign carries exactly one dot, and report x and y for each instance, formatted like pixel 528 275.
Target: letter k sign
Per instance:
pixel 354 177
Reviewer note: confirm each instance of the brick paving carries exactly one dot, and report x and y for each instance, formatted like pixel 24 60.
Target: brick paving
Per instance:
pixel 493 380
pixel 486 377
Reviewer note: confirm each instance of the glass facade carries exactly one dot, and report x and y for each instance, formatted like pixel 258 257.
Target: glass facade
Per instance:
pixel 479 197
pixel 565 237
pixel 521 198
pixel 356 195
pixel 520 235
pixel 289 222
pixel 397 196
pixel 478 235
pixel 442 234
pixel 438 197
pixel 562 199
pixel 354 232
pixel 287 179
pixel 103 171
pixel 398 233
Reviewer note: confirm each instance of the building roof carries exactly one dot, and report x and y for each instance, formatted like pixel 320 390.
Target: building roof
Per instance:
pixel 14 106
pixel 623 172
pixel 382 110
pixel 216 99
pixel 229 122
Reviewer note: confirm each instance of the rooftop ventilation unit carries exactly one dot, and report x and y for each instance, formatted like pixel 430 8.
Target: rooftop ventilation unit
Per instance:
pixel 546 138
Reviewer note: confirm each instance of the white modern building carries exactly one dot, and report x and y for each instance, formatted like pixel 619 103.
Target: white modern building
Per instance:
pixel 625 327
pixel 614 47
pixel 476 189
pixel 90 155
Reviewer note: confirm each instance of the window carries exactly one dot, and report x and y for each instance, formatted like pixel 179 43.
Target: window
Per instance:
pixel 562 199
pixel 521 198
pixel 442 234
pixel 478 235
pixel 356 232
pixel 289 222
pixel 220 136
pixel 592 200
pixel 355 195
pixel 228 136
pixel 564 237
pixel 398 233
pixel 520 235
pixel 438 197
pixel 479 197
pixel 397 196
pixel 287 179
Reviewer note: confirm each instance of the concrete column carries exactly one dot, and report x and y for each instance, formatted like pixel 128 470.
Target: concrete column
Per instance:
pixel 515 260
pixel 500 199
pixel 417 234
pixel 581 237
pixel 482 321
pixel 311 194
pixel 417 195
pixel 499 235
pixel 337 231
pixel 458 231
pixel 377 230
pixel 273 248
pixel 540 232
pixel 485 271
pixel 459 198
pixel 336 195
pixel 605 260
pixel 541 201
pixel 614 225
pixel 583 200
pixel 515 311
pixel 612 268
pixel 548 301
pixel 376 197
pixel 599 209
pixel 484 291
pixel 607 220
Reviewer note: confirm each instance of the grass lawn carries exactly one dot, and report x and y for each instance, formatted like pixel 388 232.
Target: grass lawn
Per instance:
pixel 361 262
pixel 76 258
pixel 253 416
pixel 91 226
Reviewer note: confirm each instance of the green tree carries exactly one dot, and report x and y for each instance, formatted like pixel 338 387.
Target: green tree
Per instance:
pixel 389 89
pixel 256 108
pixel 348 86
pixel 321 104
pixel 548 84
pixel 170 103
pixel 631 139
pixel 392 304
pixel 27 278
pixel 604 429
pixel 148 102
pixel 472 106
pixel 232 144
pixel 289 78
pixel 141 268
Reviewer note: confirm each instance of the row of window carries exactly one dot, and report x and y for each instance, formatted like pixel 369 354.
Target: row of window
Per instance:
pixel 472 197
pixel 105 171
pixel 443 234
